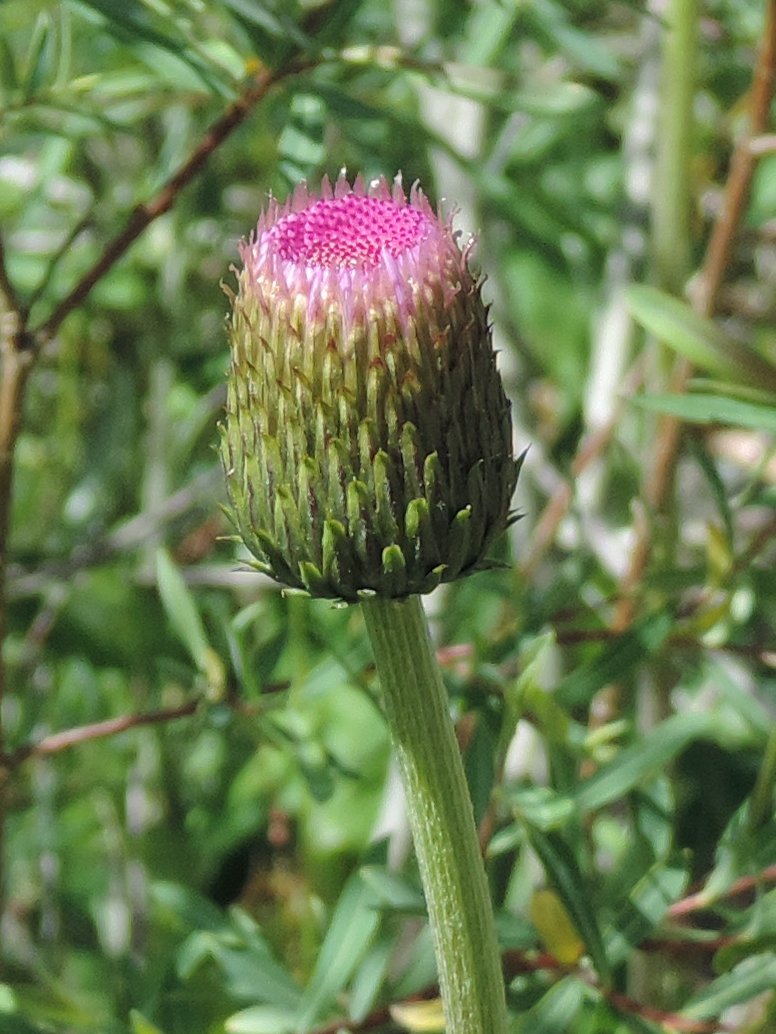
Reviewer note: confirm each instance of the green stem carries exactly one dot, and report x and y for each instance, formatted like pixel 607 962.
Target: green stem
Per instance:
pixel 441 818
pixel 671 212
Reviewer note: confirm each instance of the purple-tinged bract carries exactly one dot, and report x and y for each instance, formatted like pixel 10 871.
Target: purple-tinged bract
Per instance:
pixel 367 442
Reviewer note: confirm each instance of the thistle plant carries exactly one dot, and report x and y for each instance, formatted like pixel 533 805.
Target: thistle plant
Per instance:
pixel 368 456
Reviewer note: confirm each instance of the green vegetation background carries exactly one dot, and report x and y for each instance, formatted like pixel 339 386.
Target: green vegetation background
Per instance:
pixel 223 853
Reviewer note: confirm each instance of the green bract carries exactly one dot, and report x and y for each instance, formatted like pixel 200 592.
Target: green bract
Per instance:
pixel 367 442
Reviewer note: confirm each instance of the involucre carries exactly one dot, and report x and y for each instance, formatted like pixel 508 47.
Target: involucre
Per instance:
pixel 367 443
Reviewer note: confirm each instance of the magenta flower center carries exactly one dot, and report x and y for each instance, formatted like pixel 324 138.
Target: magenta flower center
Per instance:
pixel 351 231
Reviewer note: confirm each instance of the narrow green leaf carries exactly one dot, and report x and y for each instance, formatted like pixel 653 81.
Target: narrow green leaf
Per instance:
pixel 129 19
pixel 8 74
pixel 249 971
pixel 393 892
pixel 616 661
pixel 369 978
pixel 712 409
pixel 557 1009
pixel 643 759
pixel 140 1025
pixel 728 389
pixel 541 806
pixel 554 22
pixel 645 907
pixel 261 1019
pixel 181 610
pixel 273 33
pixel 532 662
pixel 750 978
pixel 699 339
pixel 184 909
pixel 40 58
pixel 719 489
pixel 350 933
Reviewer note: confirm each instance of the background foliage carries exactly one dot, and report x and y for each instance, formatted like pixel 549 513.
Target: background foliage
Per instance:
pixel 201 825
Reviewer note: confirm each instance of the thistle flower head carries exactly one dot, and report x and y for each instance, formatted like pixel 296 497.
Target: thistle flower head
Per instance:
pixel 367 442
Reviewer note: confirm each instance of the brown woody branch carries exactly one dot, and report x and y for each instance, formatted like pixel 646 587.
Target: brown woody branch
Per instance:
pixel 60 741
pixel 701 901
pixel 144 214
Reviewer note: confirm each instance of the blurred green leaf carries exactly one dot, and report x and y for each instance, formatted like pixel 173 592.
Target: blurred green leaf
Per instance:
pixel 616 660
pixel 393 892
pixel 643 911
pixel 272 30
pixel 185 619
pixel 185 908
pixel 39 66
pixel 712 409
pixel 541 806
pixel 141 1025
pixel 369 978
pixel 8 74
pixel 557 1010
pixel 351 931
pixel 130 20
pixel 553 20
pixel 644 758
pixel 249 969
pixel 698 339
pixel 748 979
pixel 261 1019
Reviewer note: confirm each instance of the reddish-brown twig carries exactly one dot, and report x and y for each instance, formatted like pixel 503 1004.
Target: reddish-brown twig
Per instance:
pixel 59 741
pixel 700 901
pixel 144 214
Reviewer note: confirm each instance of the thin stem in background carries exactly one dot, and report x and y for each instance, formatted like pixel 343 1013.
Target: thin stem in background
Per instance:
pixel 15 361
pixel 671 189
pixel 713 269
pixel 671 257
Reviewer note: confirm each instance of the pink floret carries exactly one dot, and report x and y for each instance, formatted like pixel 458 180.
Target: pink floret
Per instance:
pixel 351 231
pixel 355 247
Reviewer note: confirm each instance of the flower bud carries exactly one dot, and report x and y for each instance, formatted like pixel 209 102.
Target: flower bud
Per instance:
pixel 367 442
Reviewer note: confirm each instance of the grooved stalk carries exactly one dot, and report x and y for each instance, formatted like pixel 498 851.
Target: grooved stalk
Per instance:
pixel 441 818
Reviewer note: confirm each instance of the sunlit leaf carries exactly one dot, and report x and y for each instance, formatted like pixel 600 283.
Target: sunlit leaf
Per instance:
pixel 420 1017
pixel 261 1019
pixel 555 928
pixel 564 874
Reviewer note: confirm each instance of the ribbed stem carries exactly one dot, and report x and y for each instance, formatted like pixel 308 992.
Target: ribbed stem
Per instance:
pixel 441 818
